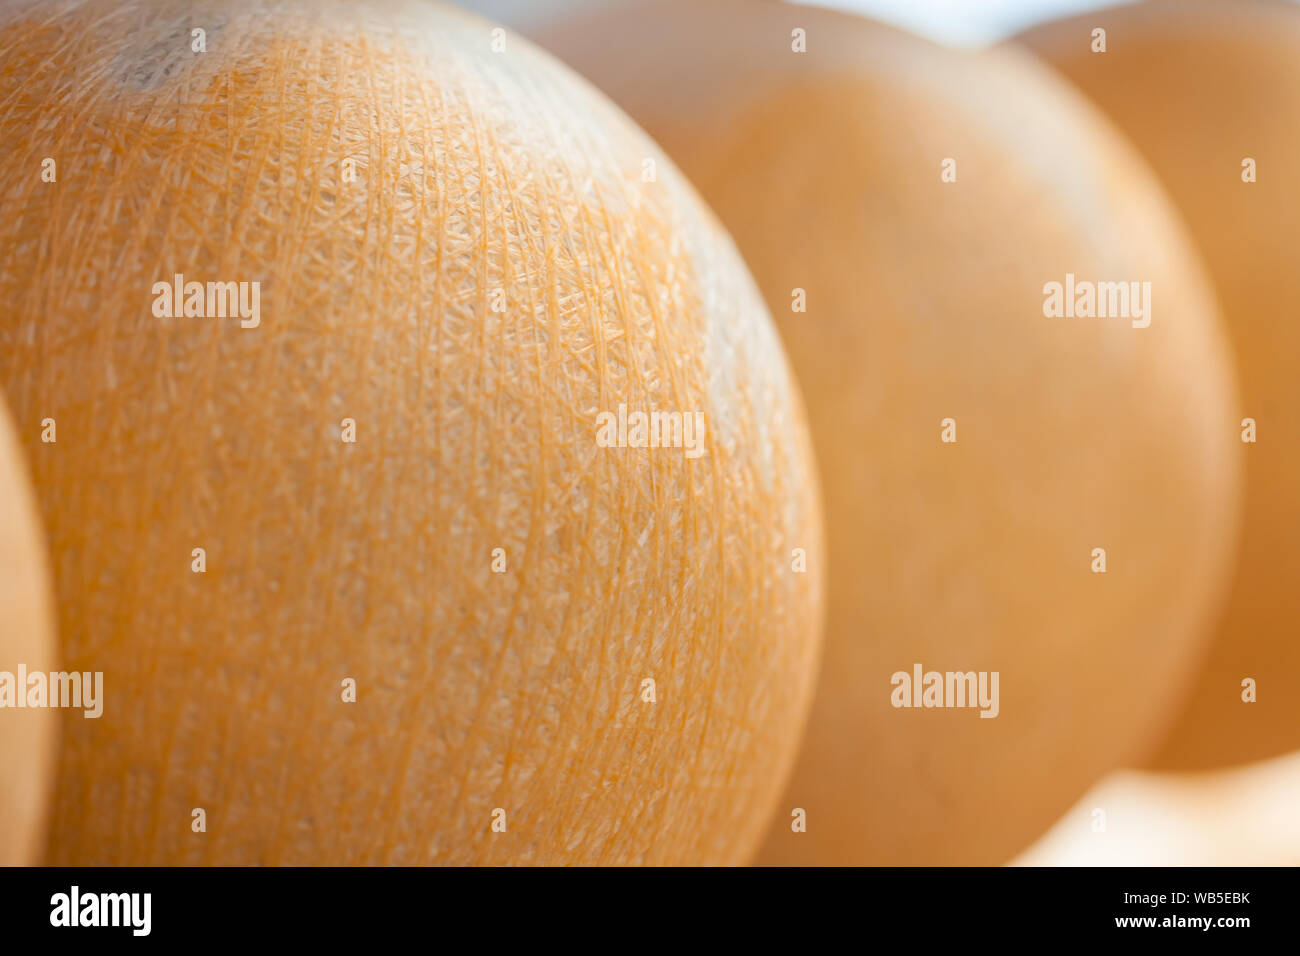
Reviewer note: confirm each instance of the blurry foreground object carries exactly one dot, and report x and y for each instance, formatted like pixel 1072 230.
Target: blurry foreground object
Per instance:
pixel 1048 502
pixel 1240 817
pixel 28 734
pixel 1210 93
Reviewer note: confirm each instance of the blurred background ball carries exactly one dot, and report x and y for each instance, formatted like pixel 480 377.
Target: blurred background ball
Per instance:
pixel 1201 88
pixel 28 735
pixel 460 254
pixel 924 302
pixel 1243 816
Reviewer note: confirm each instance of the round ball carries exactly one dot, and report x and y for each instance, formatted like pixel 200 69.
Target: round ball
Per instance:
pixel 977 455
pixel 370 576
pixel 1210 93
pixel 1241 816
pixel 28 735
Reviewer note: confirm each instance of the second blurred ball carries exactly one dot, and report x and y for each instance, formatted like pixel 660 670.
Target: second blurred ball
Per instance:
pixel 1015 483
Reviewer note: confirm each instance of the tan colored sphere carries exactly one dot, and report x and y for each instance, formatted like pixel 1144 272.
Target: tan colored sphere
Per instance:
pixel 1201 88
pixel 28 735
pixel 435 617
pixel 1239 816
pixel 925 298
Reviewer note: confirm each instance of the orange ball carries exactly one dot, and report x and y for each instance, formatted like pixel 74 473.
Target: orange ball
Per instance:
pixel 383 566
pixel 905 208
pixel 1242 816
pixel 1210 94
pixel 28 735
